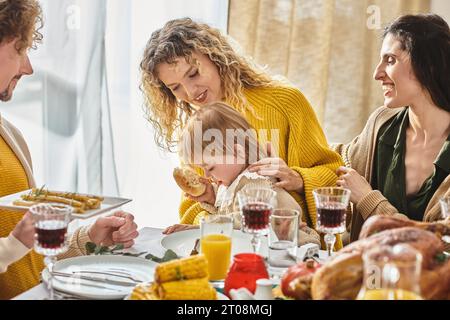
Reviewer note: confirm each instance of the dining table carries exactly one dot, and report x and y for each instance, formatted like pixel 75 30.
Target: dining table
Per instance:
pixel 149 241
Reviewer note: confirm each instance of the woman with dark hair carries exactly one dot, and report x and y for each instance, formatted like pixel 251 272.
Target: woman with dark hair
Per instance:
pixel 400 164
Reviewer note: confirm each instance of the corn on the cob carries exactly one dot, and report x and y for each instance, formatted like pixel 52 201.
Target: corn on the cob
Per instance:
pixel 144 292
pixel 193 267
pixel 193 289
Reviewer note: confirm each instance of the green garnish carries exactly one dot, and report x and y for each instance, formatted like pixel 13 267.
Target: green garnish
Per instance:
pixel 92 248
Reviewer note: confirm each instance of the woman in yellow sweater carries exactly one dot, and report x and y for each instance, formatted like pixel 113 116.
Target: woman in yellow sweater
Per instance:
pixel 187 65
pixel 18 19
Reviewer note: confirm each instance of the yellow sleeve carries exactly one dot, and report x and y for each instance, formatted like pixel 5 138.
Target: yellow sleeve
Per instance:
pixel 308 151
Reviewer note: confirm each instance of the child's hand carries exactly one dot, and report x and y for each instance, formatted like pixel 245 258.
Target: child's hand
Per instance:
pixel 179 227
pixel 209 196
pixel 24 230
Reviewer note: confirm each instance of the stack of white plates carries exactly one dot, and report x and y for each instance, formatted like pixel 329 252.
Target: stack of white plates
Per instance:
pixel 114 276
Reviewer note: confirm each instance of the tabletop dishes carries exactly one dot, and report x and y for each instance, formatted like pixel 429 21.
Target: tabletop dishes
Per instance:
pixel 183 242
pixel 100 276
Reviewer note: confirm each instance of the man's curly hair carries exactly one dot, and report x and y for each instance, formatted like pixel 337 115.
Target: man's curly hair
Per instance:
pixel 21 20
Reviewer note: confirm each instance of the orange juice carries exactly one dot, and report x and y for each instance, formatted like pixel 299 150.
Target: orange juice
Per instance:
pixel 217 250
pixel 383 294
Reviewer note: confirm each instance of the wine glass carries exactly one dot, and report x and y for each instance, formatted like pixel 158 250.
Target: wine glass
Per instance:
pixel 256 206
pixel 331 205
pixel 50 239
pixel 445 209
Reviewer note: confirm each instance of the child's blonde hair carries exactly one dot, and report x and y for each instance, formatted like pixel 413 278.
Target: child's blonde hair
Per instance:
pixel 227 126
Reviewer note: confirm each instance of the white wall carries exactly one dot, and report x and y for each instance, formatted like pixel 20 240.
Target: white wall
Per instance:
pixel 442 8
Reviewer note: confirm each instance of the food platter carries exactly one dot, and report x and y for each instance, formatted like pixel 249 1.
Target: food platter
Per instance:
pixel 107 204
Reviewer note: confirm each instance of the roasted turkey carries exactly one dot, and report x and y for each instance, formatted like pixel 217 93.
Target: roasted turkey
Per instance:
pixel 341 277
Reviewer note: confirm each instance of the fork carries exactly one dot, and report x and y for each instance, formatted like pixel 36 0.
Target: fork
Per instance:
pixel 119 274
pixel 95 279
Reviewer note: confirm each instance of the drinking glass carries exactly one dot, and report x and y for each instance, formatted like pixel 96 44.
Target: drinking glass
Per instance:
pixel 283 236
pixel 445 209
pixel 331 205
pixel 256 206
pixel 391 273
pixel 215 244
pixel 50 239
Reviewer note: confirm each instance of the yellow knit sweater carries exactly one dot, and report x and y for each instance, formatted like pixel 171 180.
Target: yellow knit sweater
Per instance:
pixel 23 274
pixel 302 144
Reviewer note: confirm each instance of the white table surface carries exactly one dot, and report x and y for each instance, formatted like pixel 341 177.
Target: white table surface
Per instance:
pixel 148 240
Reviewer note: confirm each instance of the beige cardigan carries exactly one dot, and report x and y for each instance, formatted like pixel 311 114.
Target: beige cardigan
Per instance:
pixel 11 249
pixel 359 155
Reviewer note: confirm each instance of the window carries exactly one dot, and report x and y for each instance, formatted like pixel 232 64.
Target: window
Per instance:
pixel 81 112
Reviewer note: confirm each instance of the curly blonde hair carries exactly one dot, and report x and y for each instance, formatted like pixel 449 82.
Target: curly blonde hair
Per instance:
pixel 21 19
pixel 181 38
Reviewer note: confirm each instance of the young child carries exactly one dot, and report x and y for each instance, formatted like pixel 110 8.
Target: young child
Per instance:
pixel 219 139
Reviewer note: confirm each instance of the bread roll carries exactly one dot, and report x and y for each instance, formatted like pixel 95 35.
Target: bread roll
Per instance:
pixel 189 181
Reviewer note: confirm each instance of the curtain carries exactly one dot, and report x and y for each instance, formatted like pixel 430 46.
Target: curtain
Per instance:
pixel 327 48
pixel 60 109
pixel 144 172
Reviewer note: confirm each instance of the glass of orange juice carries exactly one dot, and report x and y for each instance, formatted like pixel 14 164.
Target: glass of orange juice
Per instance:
pixel 215 244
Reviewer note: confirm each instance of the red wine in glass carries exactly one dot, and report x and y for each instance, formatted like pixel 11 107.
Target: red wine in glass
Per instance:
pixel 51 234
pixel 256 216
pixel 332 217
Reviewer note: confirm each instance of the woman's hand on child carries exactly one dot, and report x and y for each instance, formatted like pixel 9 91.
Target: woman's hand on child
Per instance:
pixel 209 196
pixel 352 180
pixel 288 179
pixel 179 227
pixel 24 230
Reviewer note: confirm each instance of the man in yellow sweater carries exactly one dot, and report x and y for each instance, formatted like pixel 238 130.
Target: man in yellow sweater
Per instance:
pixel 18 21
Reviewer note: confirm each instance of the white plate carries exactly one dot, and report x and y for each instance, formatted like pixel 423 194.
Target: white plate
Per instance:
pixel 183 242
pixel 108 203
pixel 139 268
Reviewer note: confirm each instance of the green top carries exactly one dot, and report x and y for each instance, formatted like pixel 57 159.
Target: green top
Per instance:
pixel 389 169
